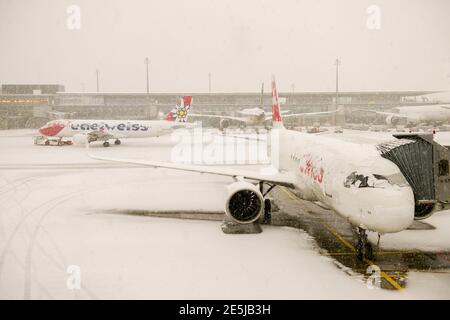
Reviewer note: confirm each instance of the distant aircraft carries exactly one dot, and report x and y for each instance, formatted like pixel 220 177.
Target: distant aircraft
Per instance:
pixel 249 117
pixel 257 117
pixel 87 131
pixel 354 181
pixel 415 115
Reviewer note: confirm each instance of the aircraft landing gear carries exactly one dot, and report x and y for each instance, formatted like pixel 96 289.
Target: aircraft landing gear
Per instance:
pixel 364 248
pixel 267 217
pixel 117 142
pixel 267 211
pixel 106 144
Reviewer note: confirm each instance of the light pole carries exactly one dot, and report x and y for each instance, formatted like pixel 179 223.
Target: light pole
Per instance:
pixel 293 92
pixel 98 85
pixel 147 61
pixel 337 62
pixel 209 82
pixel 261 99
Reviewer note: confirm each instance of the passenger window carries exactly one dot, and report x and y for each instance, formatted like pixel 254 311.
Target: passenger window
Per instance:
pixel 443 167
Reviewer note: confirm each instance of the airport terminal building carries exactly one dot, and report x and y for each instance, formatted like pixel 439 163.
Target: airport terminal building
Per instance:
pixel 30 106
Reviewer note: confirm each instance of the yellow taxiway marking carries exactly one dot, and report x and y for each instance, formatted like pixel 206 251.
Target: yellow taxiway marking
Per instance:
pixel 344 242
pixel 338 236
pixel 379 253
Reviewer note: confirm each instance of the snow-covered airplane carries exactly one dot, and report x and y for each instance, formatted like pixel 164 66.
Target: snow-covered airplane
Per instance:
pixel 248 117
pixel 87 131
pixel 415 115
pixel 351 179
pixel 256 117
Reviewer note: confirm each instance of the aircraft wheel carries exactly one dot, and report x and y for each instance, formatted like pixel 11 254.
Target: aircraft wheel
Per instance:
pixel 360 250
pixel 364 249
pixel 117 142
pixel 106 144
pixel 47 143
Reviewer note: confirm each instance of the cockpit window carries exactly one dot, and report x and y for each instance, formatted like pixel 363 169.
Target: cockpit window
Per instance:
pixel 358 180
pixel 396 179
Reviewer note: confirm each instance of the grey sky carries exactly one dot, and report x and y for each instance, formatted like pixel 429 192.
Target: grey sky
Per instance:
pixel 240 42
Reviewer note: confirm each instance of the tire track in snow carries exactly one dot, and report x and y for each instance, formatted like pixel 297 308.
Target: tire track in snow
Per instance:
pixel 23 219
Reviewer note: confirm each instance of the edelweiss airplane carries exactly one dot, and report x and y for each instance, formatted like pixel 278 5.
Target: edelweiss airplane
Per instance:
pixel 352 180
pixel 89 131
pixel 256 117
pixel 415 115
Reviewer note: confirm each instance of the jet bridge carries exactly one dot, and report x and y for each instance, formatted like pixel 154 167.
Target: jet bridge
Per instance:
pixel 425 164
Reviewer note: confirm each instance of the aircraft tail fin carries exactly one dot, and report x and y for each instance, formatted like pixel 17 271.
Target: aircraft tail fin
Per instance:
pixel 277 121
pixel 181 111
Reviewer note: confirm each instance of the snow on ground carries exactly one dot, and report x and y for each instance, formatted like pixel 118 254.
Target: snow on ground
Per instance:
pixel 56 219
pixel 433 240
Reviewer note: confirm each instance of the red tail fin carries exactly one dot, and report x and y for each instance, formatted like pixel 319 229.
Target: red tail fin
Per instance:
pixel 276 114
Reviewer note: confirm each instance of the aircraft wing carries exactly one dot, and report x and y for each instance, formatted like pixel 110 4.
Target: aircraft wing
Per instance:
pixel 182 125
pixel 217 116
pixel 282 179
pixel 382 113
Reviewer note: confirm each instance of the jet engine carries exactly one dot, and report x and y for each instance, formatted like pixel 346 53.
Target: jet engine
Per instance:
pixel 392 120
pixel 80 139
pixel 424 210
pixel 244 203
pixel 224 123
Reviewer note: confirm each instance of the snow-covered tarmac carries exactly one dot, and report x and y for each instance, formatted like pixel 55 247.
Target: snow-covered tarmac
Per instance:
pixel 54 222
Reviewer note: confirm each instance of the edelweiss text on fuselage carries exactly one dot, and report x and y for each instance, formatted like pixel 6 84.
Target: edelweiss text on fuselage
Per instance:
pixel 129 126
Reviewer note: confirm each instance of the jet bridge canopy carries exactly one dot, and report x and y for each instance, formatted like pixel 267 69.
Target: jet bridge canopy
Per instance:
pixel 425 165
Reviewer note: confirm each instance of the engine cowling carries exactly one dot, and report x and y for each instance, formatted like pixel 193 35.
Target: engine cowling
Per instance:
pixel 80 139
pixel 224 123
pixel 423 211
pixel 244 203
pixel 392 120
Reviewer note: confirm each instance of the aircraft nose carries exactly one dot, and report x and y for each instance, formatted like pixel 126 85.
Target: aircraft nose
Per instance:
pixel 397 214
pixel 398 218
pixel 51 129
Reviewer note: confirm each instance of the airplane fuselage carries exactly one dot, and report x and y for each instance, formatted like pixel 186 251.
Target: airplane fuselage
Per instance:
pixel 117 128
pixel 253 116
pixel 254 120
pixel 424 114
